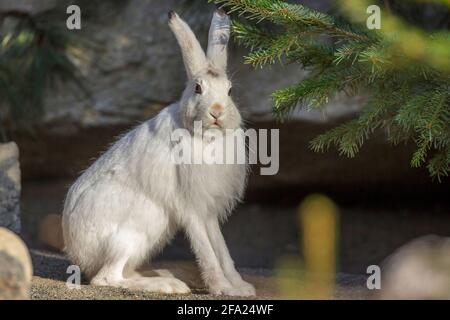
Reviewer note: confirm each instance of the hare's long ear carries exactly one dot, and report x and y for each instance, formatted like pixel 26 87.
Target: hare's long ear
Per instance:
pixel 193 54
pixel 219 34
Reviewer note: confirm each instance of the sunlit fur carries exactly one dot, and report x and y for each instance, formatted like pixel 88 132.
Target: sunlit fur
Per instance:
pixel 131 201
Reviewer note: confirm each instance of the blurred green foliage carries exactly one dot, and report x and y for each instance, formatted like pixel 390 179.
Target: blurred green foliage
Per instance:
pixel 33 57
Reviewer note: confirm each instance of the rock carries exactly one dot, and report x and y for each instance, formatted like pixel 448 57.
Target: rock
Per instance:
pixel 15 267
pixel 135 68
pixel 50 231
pixel 12 279
pixel 9 186
pixel 12 245
pixel 27 6
pixel 418 270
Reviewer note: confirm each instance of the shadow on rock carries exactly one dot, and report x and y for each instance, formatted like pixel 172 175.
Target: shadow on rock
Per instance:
pixel 51 265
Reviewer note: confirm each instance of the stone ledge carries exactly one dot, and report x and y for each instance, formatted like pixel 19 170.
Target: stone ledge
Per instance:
pixel 48 283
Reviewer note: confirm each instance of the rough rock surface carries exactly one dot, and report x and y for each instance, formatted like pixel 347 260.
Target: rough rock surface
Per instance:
pixel 28 6
pixel 9 186
pixel 419 269
pixel 132 66
pixel 15 267
pixel 12 279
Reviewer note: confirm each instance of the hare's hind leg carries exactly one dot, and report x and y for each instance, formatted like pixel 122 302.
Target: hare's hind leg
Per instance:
pixel 113 275
pixel 118 269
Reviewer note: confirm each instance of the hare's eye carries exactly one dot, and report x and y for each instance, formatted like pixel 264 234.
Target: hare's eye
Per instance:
pixel 198 88
pixel 229 92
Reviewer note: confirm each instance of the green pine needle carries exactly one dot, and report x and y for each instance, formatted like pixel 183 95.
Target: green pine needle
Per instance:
pixel 410 98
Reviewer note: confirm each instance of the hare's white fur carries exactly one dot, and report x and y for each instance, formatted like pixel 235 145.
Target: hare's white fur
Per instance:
pixel 133 199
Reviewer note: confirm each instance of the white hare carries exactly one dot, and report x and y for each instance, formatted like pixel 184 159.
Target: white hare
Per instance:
pixel 133 199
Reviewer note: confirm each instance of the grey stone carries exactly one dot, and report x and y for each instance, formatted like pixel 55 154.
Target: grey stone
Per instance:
pixel 15 267
pixel 9 186
pixel 12 279
pixel 27 6
pixel 418 270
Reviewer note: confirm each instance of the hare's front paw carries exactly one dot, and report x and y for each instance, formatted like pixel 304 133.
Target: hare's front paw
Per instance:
pixel 246 289
pixel 220 288
pixel 240 285
pixel 243 290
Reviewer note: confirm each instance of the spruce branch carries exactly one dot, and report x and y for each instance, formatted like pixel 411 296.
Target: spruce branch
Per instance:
pixel 282 13
pixel 439 165
pixel 409 86
pixel 349 137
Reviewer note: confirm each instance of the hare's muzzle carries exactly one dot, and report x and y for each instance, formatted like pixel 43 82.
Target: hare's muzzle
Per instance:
pixel 216 110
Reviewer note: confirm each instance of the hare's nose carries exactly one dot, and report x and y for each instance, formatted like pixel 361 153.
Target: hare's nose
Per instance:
pixel 216 110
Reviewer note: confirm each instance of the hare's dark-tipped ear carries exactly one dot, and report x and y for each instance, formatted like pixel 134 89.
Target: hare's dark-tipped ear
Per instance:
pixel 171 14
pixel 193 55
pixel 219 34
